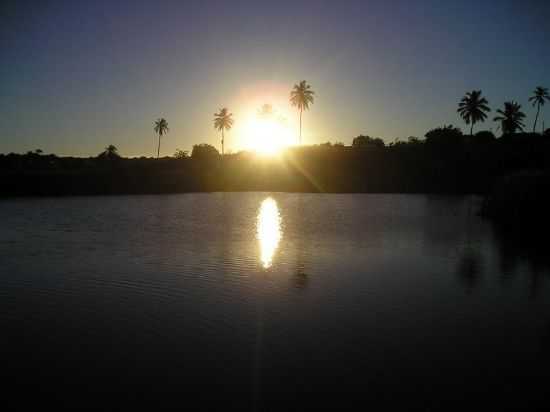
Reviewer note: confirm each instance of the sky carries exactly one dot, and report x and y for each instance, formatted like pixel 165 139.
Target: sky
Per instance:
pixel 76 76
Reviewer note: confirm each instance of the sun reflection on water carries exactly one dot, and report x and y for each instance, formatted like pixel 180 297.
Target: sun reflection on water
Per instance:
pixel 268 230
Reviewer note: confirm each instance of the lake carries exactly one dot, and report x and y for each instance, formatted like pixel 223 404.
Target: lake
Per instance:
pixel 269 301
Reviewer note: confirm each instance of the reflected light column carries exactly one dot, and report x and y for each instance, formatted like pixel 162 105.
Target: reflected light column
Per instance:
pixel 268 230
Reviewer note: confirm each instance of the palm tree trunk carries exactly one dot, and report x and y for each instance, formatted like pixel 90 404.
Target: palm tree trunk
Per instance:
pixel 158 149
pixel 472 129
pixel 300 139
pixel 536 118
pixel 222 143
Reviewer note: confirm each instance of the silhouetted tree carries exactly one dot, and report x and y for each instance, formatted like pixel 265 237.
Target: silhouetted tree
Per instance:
pixel 301 97
pixel 161 128
pixel 110 152
pixel 367 141
pixel 204 151
pixel 446 135
pixel 511 118
pixel 472 108
pixel 413 140
pixel 223 120
pixel 181 154
pixel 539 97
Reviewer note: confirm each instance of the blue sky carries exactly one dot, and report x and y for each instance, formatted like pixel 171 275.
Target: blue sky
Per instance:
pixel 77 76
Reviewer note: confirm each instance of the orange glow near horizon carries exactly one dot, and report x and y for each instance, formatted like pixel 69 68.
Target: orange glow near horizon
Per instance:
pixel 265 134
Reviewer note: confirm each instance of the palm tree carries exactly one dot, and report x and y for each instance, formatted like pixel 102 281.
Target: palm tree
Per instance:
pixel 511 118
pixel 301 97
pixel 223 120
pixel 540 95
pixel 472 108
pixel 161 128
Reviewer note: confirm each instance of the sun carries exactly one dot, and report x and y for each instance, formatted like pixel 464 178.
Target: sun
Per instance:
pixel 267 135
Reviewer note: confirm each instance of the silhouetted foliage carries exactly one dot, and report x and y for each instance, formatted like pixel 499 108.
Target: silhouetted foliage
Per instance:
pixel 511 118
pixel 301 97
pixel 444 136
pixel 446 162
pixel 181 154
pixel 161 128
pixel 110 152
pixel 483 137
pixel 367 141
pixel 540 96
pixel 472 108
pixel 204 151
pixel 414 140
pixel 223 120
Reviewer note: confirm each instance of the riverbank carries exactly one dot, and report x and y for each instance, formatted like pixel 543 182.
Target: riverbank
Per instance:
pixel 521 200
pixel 444 166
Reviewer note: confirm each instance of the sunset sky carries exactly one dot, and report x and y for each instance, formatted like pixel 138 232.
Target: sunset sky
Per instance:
pixel 79 75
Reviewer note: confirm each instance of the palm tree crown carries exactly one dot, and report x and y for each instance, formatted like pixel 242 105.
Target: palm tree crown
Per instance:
pixel 540 95
pixel 472 108
pixel 511 118
pixel 301 97
pixel 223 120
pixel 161 128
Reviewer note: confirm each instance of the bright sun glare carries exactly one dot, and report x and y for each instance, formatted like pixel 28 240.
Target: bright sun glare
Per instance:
pixel 267 135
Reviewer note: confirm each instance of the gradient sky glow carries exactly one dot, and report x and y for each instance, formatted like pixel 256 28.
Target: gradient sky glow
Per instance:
pixel 79 75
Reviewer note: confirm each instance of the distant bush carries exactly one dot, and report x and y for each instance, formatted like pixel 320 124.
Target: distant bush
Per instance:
pixel 414 140
pixel 444 136
pixel 204 151
pixel 367 141
pixel 181 154
pixel 110 153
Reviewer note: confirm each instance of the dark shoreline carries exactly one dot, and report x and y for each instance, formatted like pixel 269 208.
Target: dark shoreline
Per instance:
pixel 437 166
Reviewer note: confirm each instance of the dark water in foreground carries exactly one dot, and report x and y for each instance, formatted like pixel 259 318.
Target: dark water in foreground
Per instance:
pixel 304 301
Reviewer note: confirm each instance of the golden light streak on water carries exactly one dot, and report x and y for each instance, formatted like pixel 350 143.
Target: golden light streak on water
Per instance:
pixel 268 230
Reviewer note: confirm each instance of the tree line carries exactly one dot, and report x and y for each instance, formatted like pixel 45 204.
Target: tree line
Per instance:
pixel 445 160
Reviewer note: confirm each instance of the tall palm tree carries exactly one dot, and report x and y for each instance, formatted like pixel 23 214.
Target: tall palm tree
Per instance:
pixel 511 118
pixel 301 97
pixel 540 95
pixel 223 120
pixel 472 108
pixel 161 128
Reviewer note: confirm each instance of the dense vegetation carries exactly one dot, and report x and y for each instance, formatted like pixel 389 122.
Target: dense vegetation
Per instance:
pixel 446 161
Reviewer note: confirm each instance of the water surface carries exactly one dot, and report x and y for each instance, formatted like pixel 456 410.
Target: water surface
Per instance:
pixel 259 301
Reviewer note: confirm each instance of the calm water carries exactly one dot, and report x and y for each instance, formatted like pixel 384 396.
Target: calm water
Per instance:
pixel 258 301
